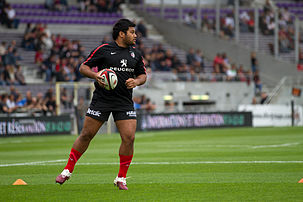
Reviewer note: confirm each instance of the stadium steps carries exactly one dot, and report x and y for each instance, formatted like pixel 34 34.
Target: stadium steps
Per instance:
pixel 36 13
pixel 27 57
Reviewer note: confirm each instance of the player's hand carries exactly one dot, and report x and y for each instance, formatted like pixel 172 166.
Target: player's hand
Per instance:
pixel 100 79
pixel 131 83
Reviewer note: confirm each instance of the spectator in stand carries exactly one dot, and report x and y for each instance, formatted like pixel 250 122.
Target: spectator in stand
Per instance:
pixel 39 57
pixel 254 62
pixel 7 75
pixel 11 21
pixel 231 73
pixel 263 97
pixel 218 63
pixel 65 100
pixel 229 25
pixel 9 57
pixel 207 24
pixel 116 6
pixel 190 57
pixel 137 101
pixel 11 104
pixel 258 84
pixel 81 112
pixel 254 101
pixel 2 48
pixel 19 77
pixel 106 39
pixel 284 45
pixel 57 5
pixel 40 103
pixel 189 19
pixel 2 4
pixel 141 29
pixel 3 108
pixel 51 105
pixel 29 98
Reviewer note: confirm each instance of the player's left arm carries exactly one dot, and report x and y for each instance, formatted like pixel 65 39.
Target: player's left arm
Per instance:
pixel 138 81
pixel 140 73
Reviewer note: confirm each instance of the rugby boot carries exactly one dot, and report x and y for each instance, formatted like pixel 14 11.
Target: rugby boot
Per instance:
pixel 120 182
pixel 65 175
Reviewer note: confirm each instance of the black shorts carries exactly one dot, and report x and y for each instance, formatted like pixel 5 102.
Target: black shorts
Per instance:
pixel 103 115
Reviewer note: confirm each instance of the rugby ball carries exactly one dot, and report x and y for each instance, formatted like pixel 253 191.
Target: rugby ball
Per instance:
pixel 109 77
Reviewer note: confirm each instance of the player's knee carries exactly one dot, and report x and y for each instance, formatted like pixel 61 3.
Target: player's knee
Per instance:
pixel 129 139
pixel 86 136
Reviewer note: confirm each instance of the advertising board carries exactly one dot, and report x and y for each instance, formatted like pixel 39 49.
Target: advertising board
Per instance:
pixel 22 126
pixel 273 115
pixel 193 120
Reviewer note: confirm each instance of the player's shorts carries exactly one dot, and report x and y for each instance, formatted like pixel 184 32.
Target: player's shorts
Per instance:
pixel 118 115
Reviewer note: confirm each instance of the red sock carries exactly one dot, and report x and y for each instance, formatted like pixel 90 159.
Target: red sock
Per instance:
pixel 73 158
pixel 124 164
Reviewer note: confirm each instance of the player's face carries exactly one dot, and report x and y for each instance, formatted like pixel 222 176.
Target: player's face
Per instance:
pixel 130 37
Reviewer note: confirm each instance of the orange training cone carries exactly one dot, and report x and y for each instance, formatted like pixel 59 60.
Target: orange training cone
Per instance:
pixel 20 182
pixel 301 181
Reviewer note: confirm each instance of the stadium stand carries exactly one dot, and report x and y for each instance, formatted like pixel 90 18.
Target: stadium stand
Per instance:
pixel 287 11
pixel 166 62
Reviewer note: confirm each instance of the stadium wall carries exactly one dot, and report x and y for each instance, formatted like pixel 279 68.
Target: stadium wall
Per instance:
pixel 226 95
pixel 272 69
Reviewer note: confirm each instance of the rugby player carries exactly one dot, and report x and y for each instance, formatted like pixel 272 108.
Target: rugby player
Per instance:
pixel 127 62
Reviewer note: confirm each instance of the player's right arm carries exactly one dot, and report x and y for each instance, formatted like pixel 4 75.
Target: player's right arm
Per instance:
pixel 88 72
pixel 93 60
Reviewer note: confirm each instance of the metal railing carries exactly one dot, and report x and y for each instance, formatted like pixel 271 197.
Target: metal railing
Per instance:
pixel 218 4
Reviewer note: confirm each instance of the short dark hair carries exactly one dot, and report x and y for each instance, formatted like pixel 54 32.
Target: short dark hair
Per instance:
pixel 122 26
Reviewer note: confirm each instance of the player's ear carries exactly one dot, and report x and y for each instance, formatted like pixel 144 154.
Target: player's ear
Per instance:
pixel 121 34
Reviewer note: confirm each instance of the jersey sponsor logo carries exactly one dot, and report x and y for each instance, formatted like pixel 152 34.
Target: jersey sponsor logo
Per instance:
pixel 93 112
pixel 113 53
pixel 131 114
pixel 121 69
pixel 123 63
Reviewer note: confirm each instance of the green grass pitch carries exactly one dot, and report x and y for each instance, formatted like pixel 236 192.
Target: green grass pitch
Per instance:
pixel 244 164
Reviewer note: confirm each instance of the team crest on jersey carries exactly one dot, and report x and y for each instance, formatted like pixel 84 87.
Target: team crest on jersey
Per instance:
pixel 132 54
pixel 123 63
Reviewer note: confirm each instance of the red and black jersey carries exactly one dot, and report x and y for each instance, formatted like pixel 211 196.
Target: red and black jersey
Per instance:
pixel 127 63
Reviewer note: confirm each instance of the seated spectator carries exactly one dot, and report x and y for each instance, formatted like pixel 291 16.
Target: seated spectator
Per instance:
pixel 190 57
pixel 141 29
pixel 11 20
pixel 65 99
pixel 284 44
pixel 264 97
pixel 11 104
pixel 2 48
pixel 116 6
pixel 57 5
pixel 40 104
pixel 207 24
pixel 29 98
pixel 19 77
pixel 51 105
pixel 253 61
pixel 231 73
pixel 137 101
pixel 229 26
pixel 3 106
pixel 189 19
pixel 39 57
pixel 258 84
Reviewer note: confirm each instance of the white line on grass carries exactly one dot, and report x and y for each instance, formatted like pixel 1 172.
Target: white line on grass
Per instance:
pixel 61 161
pixel 277 145
pixel 32 163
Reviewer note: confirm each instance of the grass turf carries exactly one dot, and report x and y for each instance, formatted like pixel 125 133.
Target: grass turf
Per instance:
pixel 188 165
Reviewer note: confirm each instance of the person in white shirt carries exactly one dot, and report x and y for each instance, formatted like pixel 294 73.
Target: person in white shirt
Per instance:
pixel 12 21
